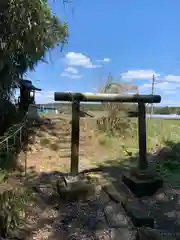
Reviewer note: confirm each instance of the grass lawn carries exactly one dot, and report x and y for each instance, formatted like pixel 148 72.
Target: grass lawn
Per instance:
pixel 160 133
pixel 166 133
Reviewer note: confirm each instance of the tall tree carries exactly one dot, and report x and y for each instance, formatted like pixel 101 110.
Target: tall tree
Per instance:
pixel 28 29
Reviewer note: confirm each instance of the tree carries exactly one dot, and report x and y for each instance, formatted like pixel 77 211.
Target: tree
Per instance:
pixel 28 29
pixel 112 86
pixel 115 122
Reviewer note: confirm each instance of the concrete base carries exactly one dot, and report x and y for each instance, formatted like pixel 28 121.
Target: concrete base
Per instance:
pixel 142 183
pixel 74 188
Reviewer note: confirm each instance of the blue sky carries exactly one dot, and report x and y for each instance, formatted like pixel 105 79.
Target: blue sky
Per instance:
pixel 132 39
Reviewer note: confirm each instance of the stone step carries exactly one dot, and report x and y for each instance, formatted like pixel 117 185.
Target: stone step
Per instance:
pixel 67 150
pixel 69 138
pixel 66 144
pixel 122 234
pixel 118 192
pixel 153 234
pixel 116 216
pixel 136 211
pixel 139 213
pixel 164 207
pixel 67 153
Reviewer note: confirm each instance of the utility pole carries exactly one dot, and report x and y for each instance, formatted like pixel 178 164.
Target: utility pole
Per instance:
pixel 153 82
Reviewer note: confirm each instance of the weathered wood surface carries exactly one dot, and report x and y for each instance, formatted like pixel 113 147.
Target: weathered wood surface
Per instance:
pixel 99 97
pixel 75 134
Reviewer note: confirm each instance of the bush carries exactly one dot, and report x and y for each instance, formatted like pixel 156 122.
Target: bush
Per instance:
pixel 113 125
pixel 12 209
pixel 116 121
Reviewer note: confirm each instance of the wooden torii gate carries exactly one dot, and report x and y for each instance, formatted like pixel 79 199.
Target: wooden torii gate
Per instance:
pixel 76 98
pixel 139 181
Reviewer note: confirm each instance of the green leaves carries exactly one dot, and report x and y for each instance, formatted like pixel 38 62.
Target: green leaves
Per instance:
pixel 28 29
pixel 12 208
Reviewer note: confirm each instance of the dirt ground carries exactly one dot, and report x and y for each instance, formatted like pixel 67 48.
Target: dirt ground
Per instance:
pixel 47 217
pixel 51 148
pixel 48 158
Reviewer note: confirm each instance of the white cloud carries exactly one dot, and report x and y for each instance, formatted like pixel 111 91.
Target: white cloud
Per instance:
pixel 44 97
pixel 145 88
pixel 74 76
pixel 171 78
pixel 166 86
pixel 107 60
pixel 80 60
pixel 139 75
pixel 169 92
pixel 71 70
pixel 147 74
pixel 160 86
pixel 104 60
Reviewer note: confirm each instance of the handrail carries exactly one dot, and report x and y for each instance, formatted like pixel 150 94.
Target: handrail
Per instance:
pixel 12 135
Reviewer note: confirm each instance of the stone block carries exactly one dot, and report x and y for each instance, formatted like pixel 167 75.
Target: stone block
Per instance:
pixel 113 194
pixel 123 234
pixel 138 213
pixel 141 184
pixel 116 216
pixel 74 188
pixel 154 234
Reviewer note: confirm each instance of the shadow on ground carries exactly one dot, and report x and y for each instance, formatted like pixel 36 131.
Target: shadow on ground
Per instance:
pixel 12 168
pixel 13 150
pixel 165 204
pixel 48 216
pixel 52 218
pixel 45 214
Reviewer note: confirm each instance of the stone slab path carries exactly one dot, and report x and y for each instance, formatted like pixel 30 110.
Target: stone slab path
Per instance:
pixel 96 218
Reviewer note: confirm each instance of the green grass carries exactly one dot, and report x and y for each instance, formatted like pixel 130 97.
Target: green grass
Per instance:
pixel 160 133
pixel 166 133
pixel 161 130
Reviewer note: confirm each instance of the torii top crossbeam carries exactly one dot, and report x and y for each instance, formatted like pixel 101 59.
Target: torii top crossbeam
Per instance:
pixel 86 97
